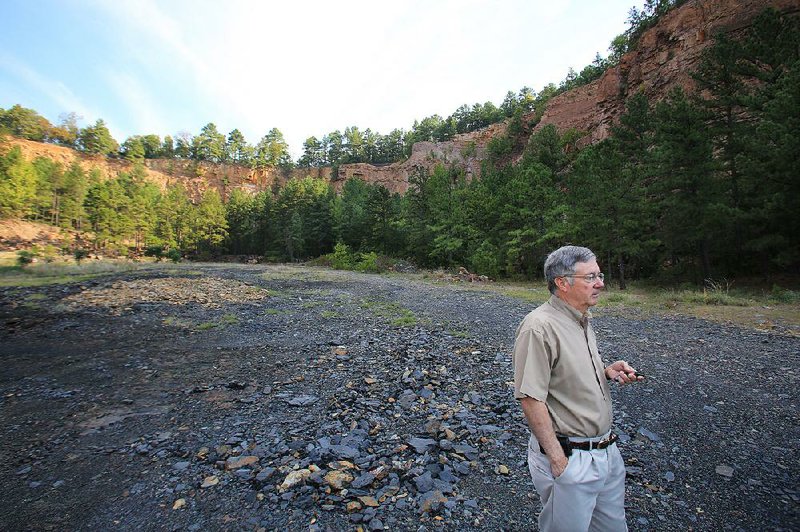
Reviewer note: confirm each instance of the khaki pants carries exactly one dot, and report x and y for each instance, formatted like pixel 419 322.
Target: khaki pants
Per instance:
pixel 588 495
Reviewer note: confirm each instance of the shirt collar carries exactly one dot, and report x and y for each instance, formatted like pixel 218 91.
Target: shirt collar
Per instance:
pixel 570 311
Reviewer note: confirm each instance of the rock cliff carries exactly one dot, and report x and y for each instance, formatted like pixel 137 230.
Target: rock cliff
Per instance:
pixel 665 58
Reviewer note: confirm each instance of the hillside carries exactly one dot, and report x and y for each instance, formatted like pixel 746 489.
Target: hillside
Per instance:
pixel 664 58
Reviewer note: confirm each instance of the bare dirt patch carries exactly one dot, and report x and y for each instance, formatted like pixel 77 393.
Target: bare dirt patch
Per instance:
pixel 19 234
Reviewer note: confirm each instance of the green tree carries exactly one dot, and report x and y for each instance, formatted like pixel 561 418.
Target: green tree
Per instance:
pixel 383 213
pixel 133 149
pixel 608 188
pixel 18 182
pixel 75 187
pixel 172 220
pixel 272 150
pixel 209 227
pixel 692 213
pixel 49 176
pixel 167 148
pixel 24 123
pixel 237 150
pixel 303 212
pixel 209 145
pixel 350 216
pixel 97 140
pixel 240 213
pixel 353 145
pixel 152 146
pixel 108 211
pixel 313 153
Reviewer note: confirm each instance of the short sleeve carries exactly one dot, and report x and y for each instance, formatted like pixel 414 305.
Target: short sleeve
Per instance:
pixel 532 365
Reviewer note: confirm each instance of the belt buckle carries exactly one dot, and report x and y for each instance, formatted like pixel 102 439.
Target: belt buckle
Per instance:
pixel 602 444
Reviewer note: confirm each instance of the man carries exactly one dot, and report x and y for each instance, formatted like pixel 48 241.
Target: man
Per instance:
pixel 563 389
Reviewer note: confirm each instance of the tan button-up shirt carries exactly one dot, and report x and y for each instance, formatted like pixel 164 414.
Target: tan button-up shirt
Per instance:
pixel 556 361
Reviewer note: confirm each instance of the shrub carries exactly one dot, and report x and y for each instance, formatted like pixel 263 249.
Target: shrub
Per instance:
pixel 80 254
pixel 156 252
pixel 49 253
pixel 368 263
pixel 342 258
pixel 174 255
pixel 25 257
pixel 484 260
pixel 783 295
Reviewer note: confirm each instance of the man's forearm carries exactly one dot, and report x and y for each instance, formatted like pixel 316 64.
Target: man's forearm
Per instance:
pixel 539 421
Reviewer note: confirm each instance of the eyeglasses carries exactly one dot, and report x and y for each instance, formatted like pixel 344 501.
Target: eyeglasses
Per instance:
pixel 589 277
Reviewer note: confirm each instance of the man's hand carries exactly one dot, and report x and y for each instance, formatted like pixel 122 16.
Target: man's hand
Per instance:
pixel 558 465
pixel 621 372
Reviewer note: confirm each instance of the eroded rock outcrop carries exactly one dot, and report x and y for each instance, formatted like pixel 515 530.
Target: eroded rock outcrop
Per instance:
pixel 665 58
pixel 465 151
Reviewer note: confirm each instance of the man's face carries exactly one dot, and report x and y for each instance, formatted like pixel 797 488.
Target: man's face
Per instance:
pixel 581 294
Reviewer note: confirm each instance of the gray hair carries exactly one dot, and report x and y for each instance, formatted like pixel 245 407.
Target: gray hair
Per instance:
pixel 562 262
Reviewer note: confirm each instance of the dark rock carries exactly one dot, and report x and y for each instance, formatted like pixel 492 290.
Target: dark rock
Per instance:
pixel 424 483
pixel 265 474
pixel 422 445
pixel 301 400
pixel 363 481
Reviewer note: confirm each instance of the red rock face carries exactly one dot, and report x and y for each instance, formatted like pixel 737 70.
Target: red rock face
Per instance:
pixel 665 57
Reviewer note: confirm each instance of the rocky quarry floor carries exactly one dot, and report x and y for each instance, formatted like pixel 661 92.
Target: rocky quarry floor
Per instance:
pixel 239 397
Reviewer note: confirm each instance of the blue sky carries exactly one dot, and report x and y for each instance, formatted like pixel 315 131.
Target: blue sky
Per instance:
pixel 306 67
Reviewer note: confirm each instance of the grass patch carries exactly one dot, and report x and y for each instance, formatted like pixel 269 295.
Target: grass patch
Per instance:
pixel 274 312
pixel 406 319
pixel 673 298
pixel 42 274
pixel 752 306
pixel 458 333
pixel 173 321
pixel 330 314
pixel 397 315
pixel 224 321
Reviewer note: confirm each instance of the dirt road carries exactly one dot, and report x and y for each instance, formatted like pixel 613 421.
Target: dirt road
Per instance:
pixel 211 397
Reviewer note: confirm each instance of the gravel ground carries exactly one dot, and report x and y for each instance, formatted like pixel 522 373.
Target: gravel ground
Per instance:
pixel 209 397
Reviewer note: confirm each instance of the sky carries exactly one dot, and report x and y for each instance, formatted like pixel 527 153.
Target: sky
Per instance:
pixel 306 67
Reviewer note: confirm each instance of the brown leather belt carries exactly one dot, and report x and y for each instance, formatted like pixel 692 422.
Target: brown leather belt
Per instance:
pixel 589 445
pixel 568 446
